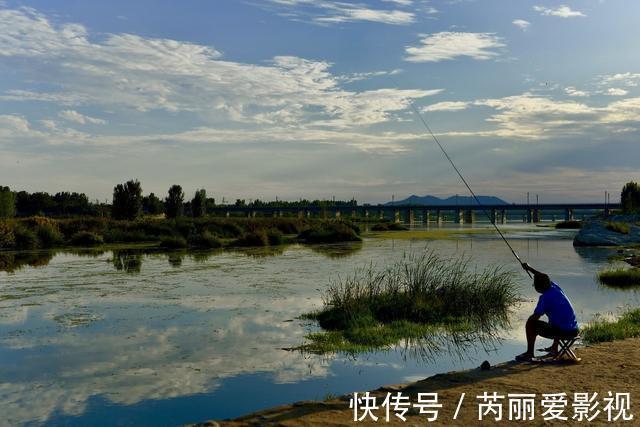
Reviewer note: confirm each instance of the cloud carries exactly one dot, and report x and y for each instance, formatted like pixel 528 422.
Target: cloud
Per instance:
pixel 330 12
pixel 560 12
pixel 572 91
pixel 136 75
pixel 613 91
pixel 74 116
pixel 627 79
pixel 533 117
pixel 449 45
pixel 521 23
pixel 447 106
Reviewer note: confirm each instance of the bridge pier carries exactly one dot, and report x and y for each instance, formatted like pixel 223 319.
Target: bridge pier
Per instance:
pixel 227 214
pixel 381 214
pixel 396 216
pixel 503 216
pixel 337 214
pixel 568 214
pixel 459 218
pixel 426 216
pixel 469 216
pixel 439 216
pixel 536 215
pixel 410 216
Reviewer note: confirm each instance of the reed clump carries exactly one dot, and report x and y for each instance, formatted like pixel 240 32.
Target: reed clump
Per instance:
pixel 413 298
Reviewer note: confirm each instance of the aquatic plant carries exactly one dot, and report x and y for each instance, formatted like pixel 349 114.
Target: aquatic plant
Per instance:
pixel 602 330
pixel 620 277
pixel 204 240
pixel 331 232
pixel 415 298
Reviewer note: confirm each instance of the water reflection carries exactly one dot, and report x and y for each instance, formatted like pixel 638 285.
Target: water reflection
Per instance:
pixel 337 250
pixel 82 341
pixel 127 260
pixel 13 261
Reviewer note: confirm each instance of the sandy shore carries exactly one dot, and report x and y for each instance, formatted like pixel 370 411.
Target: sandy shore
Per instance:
pixel 605 367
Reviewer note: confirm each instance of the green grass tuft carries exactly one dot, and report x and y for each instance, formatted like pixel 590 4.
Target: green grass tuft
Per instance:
pixel 600 330
pixel 411 300
pixel 620 277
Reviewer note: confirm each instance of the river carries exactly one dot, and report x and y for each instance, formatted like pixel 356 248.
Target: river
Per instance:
pixel 132 337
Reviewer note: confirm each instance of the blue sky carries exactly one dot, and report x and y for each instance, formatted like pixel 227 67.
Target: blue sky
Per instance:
pixel 299 98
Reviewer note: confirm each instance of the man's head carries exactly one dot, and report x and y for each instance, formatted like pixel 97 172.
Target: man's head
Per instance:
pixel 541 282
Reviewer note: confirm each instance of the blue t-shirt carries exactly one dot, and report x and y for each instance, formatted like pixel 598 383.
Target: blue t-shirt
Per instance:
pixel 555 304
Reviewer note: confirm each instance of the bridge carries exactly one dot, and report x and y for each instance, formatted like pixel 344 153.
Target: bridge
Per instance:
pixel 422 213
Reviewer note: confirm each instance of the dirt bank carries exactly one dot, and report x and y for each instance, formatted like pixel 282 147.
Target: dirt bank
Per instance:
pixel 605 367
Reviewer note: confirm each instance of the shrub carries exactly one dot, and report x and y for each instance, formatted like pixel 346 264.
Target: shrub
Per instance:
pixel 7 238
pixel 48 235
pixel 253 238
pixel 275 237
pixel 86 238
pixel 329 232
pixel 205 240
pixel 174 242
pixel 25 239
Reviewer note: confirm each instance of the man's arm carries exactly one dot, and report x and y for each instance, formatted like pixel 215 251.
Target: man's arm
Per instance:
pixel 527 267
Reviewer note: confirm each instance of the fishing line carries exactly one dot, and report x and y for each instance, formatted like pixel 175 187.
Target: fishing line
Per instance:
pixel 492 220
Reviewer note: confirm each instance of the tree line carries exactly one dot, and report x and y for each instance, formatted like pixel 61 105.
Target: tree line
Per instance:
pixel 128 202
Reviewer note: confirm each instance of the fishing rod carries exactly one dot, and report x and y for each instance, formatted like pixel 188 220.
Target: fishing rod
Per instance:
pixel 492 220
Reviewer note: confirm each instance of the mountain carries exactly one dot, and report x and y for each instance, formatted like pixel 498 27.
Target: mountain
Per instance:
pixel 436 201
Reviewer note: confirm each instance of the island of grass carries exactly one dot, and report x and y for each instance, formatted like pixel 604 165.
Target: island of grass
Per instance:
pixel 416 299
pixel 602 330
pixel 620 277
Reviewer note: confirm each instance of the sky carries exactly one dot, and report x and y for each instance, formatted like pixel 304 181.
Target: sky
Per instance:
pixel 315 98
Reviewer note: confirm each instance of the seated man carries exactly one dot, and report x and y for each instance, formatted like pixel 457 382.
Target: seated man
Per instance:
pixel 555 304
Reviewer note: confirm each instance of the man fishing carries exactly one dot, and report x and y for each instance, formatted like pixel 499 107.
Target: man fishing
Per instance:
pixel 556 306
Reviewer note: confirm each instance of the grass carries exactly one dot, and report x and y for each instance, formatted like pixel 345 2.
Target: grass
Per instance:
pixel 414 299
pixel 620 277
pixel 618 227
pixel 602 330
pixel 572 224
pixel 208 232
pixel 331 232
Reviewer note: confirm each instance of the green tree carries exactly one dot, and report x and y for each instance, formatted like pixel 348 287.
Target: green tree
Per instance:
pixel 173 204
pixel 199 204
pixel 152 205
pixel 630 197
pixel 7 203
pixel 127 200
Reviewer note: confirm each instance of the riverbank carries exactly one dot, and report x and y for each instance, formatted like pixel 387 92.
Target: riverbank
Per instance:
pixel 611 366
